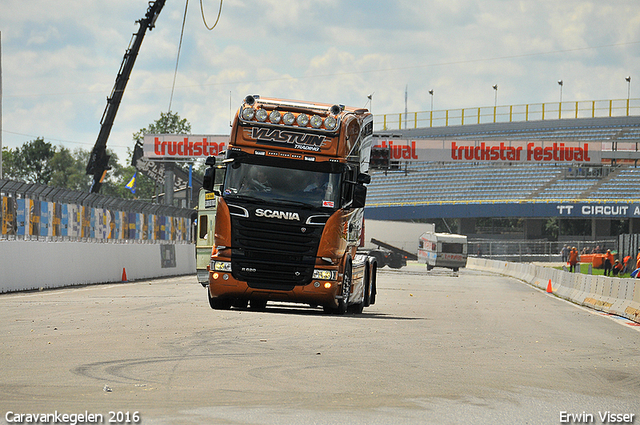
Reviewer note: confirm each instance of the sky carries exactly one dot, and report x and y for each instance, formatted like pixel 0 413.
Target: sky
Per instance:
pixel 59 59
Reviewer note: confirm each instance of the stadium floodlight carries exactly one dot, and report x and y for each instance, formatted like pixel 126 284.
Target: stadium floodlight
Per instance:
pixel 560 83
pixel 495 87
pixel 628 80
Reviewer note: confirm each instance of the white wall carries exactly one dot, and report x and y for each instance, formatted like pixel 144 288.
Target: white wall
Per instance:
pixel 26 265
pixel 400 234
pixel 609 294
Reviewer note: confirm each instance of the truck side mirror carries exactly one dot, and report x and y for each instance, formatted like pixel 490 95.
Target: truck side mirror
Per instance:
pixel 359 195
pixel 364 178
pixel 209 178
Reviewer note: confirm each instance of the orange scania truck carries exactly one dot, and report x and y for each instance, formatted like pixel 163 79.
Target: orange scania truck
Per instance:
pixel 289 217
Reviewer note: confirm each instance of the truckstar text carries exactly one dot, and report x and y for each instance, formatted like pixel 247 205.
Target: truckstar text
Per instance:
pixel 558 152
pixel 186 148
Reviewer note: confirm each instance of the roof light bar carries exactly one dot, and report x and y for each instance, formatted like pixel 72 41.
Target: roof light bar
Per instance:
pixel 276 112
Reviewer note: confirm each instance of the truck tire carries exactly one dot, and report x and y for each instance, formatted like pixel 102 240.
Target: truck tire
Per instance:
pixel 374 283
pixel 218 303
pixel 343 303
pixel 257 304
pixel 366 298
pixel 396 263
pixel 380 258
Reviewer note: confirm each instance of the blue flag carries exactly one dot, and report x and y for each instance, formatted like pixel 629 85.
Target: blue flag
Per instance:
pixel 132 183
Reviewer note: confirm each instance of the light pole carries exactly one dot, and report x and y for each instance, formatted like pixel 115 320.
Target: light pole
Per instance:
pixel 431 93
pixel 628 80
pixel 560 83
pixel 370 97
pixel 495 102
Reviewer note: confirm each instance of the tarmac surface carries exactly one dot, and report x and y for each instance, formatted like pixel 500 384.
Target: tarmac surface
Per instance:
pixel 434 349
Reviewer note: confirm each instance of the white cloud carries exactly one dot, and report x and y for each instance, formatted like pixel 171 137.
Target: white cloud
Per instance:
pixel 60 59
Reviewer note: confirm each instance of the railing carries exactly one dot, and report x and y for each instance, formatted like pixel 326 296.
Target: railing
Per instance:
pixel 538 250
pixel 508 113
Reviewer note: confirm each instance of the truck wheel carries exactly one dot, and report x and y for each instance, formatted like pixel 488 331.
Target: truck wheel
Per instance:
pixel 366 299
pixel 396 263
pixel 343 303
pixel 219 303
pixel 374 284
pixel 240 303
pixel 258 305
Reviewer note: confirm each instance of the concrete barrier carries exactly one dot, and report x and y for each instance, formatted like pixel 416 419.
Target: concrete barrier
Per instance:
pixel 27 265
pixel 608 294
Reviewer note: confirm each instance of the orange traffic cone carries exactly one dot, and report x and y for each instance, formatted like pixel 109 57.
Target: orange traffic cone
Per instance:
pixel 549 287
pixel 124 275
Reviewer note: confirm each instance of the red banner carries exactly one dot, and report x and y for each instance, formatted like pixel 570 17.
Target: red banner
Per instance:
pixel 183 145
pixel 492 151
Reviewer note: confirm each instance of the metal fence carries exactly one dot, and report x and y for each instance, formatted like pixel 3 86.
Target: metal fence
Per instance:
pixel 508 113
pixel 44 213
pixel 525 251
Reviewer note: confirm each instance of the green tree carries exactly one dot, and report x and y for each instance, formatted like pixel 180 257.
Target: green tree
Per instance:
pixel 115 180
pixel 168 123
pixel 69 169
pixel 8 163
pixel 30 162
pixel 552 228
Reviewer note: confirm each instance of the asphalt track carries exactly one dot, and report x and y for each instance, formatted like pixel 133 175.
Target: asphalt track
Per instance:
pixel 434 349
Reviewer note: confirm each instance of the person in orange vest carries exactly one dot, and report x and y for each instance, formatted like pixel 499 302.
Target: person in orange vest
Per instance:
pixel 573 259
pixel 617 268
pixel 608 262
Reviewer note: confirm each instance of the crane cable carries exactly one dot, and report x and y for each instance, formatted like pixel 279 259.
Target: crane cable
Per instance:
pixel 217 19
pixel 184 20
pixel 175 72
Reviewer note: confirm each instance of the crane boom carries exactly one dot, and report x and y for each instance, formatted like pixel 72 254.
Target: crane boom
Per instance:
pixel 99 160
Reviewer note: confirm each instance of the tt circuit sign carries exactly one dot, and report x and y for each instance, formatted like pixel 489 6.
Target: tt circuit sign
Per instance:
pixel 582 210
pixel 491 151
pixel 185 146
pixel 598 210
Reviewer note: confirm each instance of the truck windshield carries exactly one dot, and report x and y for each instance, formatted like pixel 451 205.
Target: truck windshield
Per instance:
pixel 283 185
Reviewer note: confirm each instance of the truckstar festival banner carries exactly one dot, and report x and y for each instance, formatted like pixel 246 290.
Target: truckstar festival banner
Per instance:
pixel 491 151
pixel 183 145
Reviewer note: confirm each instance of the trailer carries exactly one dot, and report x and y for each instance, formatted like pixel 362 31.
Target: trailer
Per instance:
pixel 389 255
pixel 442 250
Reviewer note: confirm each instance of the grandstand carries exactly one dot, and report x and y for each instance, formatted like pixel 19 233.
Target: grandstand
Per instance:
pixel 432 190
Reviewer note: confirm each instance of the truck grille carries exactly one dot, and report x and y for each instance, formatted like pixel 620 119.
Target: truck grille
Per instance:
pixel 272 255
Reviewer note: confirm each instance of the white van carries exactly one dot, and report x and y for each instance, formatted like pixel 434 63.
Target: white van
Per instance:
pixel 443 250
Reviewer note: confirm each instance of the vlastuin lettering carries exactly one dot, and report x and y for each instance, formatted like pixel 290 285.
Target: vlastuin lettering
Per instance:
pixel 303 141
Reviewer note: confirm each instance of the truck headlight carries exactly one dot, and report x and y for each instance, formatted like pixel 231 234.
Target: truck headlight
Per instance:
pixel 288 118
pixel 275 116
pixel 330 123
pixel 261 115
pixel 248 114
pixel 302 120
pixel 325 274
pixel 221 266
pixel 316 121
